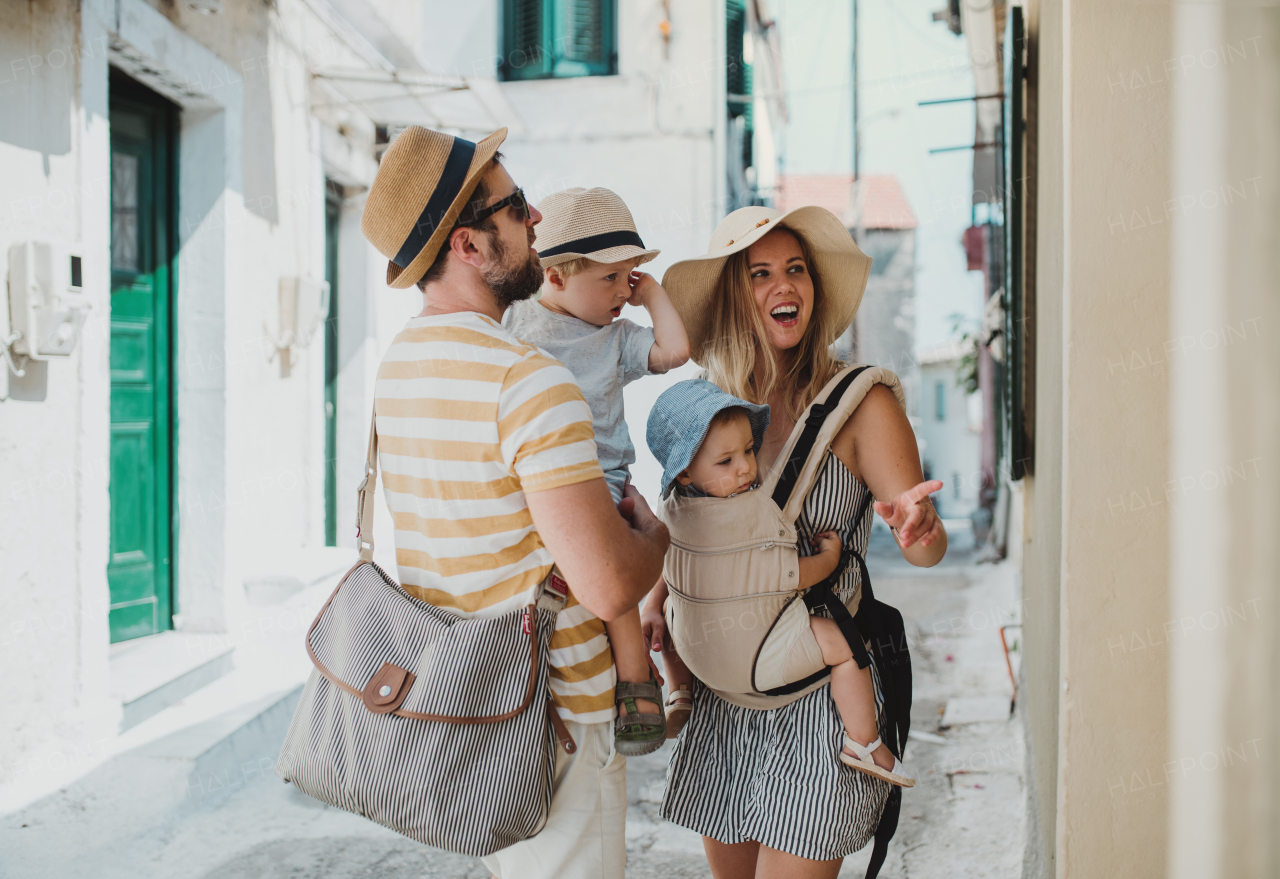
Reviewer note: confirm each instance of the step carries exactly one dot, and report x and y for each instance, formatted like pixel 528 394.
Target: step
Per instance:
pixel 225 753
pixel 149 674
pixel 136 794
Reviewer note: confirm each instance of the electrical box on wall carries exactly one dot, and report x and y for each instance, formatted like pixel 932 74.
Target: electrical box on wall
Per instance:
pixel 47 305
pixel 302 308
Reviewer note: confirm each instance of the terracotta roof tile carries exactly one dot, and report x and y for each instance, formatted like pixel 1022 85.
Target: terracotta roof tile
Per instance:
pixel 885 204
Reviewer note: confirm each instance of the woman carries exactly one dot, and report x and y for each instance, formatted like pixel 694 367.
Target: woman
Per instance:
pixel 764 786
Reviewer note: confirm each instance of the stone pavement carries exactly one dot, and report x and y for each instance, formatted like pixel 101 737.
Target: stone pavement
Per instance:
pixel 964 817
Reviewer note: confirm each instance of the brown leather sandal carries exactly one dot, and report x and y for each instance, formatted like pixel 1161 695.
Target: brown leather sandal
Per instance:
pixel 679 706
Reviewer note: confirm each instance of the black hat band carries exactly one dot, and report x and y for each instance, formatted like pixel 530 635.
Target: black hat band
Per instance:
pixel 593 243
pixel 450 184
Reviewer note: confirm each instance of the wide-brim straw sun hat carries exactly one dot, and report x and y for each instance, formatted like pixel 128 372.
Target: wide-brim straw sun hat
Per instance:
pixel 590 223
pixel 422 186
pixel 680 418
pixel 837 261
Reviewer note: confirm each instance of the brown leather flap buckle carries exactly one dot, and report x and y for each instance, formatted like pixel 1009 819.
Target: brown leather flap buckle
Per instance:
pixel 387 689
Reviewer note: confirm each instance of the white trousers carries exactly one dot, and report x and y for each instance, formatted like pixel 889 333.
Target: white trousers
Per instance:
pixel 586 832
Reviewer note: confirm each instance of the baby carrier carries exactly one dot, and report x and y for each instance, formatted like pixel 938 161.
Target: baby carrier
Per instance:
pixel 733 610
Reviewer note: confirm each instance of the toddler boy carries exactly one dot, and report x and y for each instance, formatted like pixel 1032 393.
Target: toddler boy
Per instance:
pixel 589 248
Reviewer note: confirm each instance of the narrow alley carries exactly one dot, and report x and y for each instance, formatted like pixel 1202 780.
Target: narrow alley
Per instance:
pixel 223 814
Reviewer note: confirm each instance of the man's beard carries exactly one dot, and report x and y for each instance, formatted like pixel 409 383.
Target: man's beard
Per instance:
pixel 511 283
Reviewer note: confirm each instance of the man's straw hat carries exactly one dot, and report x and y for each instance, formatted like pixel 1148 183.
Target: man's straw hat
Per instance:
pixel 422 186
pixel 837 261
pixel 591 223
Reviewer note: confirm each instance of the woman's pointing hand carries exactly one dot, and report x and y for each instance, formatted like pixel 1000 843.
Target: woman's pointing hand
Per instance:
pixel 911 515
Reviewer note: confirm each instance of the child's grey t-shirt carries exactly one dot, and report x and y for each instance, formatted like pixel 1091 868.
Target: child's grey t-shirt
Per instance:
pixel 603 360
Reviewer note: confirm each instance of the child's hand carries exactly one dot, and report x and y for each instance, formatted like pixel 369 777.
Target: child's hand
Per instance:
pixel 828 544
pixel 641 284
pixel 816 568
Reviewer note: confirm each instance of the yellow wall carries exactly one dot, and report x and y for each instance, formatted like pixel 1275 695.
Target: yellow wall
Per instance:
pixel 1225 664
pixel 1096 566
pixel 1042 557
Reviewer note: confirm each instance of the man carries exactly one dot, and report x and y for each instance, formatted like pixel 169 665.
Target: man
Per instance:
pixel 490 471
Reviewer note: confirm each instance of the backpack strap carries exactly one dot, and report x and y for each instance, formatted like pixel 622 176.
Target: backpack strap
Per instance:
pixel 813 422
pixel 792 475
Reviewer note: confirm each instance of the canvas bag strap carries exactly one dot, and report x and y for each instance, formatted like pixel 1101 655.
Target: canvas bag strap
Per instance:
pixel 553 591
pixel 366 494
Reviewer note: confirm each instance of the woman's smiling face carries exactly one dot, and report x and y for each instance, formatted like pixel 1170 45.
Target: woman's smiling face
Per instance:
pixel 782 287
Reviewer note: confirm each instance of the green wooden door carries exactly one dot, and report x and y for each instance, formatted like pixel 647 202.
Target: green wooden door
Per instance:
pixel 332 217
pixel 142 187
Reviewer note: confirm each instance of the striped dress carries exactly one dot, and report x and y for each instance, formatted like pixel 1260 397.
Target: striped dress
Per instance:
pixel 739 774
pixel 470 420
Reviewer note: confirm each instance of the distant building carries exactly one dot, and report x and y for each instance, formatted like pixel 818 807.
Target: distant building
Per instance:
pixel 880 218
pixel 950 429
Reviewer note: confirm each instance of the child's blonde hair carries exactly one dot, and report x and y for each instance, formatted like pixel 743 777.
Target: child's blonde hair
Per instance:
pixel 575 266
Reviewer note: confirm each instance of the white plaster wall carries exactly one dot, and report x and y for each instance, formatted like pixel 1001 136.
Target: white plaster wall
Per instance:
pixel 53 468
pixel 250 441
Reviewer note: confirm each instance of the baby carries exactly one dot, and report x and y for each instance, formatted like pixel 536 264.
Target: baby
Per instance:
pixel 724 465
pixel 589 250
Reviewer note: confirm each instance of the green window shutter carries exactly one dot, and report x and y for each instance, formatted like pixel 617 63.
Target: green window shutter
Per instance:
pixel 525 50
pixel 737 78
pixel 543 39
pixel 585 38
pixel 738 74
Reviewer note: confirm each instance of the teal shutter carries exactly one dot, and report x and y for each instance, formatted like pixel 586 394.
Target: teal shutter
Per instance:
pixel 585 44
pixel 526 31
pixel 738 73
pixel 544 39
pixel 737 80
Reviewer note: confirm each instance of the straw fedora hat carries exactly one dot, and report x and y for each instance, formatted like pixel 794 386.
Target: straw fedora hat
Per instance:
pixel 422 186
pixel 590 223
pixel 843 268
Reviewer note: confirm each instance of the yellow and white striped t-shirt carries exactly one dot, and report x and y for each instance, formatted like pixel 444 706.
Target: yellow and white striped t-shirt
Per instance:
pixel 470 419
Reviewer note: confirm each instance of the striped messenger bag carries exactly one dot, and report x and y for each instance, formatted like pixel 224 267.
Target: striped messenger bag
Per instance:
pixel 436 726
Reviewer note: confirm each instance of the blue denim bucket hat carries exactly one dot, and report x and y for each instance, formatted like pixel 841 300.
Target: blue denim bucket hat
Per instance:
pixel 679 420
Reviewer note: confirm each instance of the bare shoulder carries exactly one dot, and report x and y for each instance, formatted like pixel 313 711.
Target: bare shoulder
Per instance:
pixel 877 421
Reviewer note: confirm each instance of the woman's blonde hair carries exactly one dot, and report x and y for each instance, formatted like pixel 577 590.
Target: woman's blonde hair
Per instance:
pixel 737 333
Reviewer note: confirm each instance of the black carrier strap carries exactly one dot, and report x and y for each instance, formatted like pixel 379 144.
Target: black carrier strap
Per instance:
pixel 876 622
pixel 812 425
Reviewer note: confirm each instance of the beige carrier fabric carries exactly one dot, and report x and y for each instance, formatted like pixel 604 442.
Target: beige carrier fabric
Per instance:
pixel 734 613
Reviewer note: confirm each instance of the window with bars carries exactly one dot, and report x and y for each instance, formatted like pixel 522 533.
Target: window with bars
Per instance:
pixel 552 39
